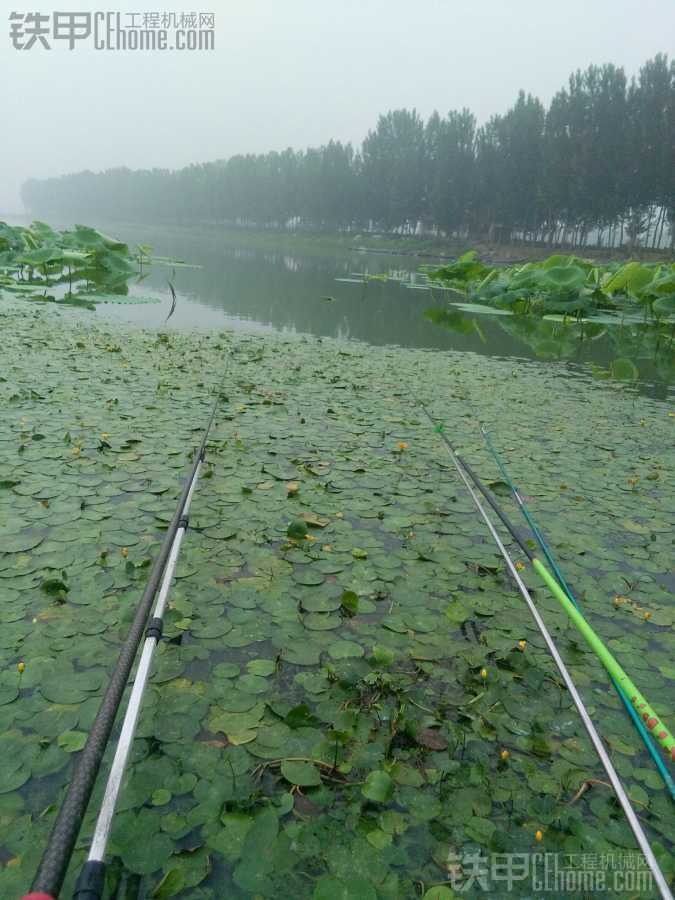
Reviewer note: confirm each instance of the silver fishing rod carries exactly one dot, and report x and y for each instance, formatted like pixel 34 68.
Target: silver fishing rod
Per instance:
pixel 92 876
pixel 56 857
pixel 608 766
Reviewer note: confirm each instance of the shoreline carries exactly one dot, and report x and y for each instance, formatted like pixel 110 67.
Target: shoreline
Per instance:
pixel 412 246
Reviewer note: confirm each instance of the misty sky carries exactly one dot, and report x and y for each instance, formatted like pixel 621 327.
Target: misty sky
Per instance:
pixel 296 73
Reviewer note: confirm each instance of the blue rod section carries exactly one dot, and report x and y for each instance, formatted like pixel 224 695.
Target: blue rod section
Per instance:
pixel 546 550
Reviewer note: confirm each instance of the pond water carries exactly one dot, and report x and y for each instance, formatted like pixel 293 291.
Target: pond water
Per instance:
pixel 247 283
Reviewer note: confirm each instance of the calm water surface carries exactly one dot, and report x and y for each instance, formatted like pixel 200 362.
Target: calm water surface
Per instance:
pixel 290 286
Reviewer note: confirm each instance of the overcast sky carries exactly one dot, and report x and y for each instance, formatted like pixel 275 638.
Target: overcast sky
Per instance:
pixel 296 73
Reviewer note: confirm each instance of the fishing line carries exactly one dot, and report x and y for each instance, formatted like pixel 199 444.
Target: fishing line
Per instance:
pixel 548 553
pixel 58 852
pixel 653 722
pixel 607 764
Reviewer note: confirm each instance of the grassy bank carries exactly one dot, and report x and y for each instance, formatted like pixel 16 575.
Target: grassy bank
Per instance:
pixel 343 665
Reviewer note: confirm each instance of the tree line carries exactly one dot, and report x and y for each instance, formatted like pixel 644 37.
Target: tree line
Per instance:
pixel 596 166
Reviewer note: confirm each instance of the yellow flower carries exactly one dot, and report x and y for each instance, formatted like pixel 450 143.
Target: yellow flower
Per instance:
pixel 76 451
pixel 125 552
pixel 520 566
pixel 539 836
pixel 504 755
pixel 483 673
pixel 104 435
pixel 402 446
pixel 648 615
pixel 522 645
pixel 21 667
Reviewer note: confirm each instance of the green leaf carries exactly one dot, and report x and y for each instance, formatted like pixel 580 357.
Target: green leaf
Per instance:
pixel 378 787
pixel 301 773
pixel 664 306
pixel 297 530
pixel 456 612
pixel 171 884
pixel 160 797
pixel 261 667
pixel 72 741
pixel 480 830
pixel 301 717
pixel 379 839
pixel 345 650
pixel 350 602
pixel 624 370
pixel 383 656
pixel 9 687
pixel 257 858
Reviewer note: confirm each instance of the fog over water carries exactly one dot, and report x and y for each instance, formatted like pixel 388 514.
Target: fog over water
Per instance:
pixel 297 73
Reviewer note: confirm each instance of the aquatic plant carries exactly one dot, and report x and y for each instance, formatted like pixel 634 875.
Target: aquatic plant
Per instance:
pixel 81 266
pixel 318 725
pixel 566 285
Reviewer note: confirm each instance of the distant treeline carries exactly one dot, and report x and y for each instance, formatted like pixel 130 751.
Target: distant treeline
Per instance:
pixel 597 166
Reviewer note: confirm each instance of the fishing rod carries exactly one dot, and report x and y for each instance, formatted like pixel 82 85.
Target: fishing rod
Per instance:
pixel 464 470
pixel 550 558
pixel 639 701
pixel 57 854
pixel 92 875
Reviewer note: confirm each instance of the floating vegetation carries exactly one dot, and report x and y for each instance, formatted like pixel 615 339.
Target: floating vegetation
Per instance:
pixel 416 281
pixel 631 350
pixel 349 695
pixel 566 285
pixel 82 267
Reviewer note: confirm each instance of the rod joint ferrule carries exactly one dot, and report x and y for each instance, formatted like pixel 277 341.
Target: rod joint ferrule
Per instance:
pixel 155 629
pixel 90 881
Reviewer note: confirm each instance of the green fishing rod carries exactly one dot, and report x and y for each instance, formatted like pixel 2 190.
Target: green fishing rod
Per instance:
pixel 550 558
pixel 653 722
pixel 472 482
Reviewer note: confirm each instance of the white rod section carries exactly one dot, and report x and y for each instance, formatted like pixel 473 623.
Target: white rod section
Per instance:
pixel 607 764
pixel 126 738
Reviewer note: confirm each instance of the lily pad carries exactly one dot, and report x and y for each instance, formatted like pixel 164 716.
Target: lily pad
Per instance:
pixel 301 773
pixel 378 787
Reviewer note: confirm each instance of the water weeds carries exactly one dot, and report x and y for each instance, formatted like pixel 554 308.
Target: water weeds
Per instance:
pixel 280 649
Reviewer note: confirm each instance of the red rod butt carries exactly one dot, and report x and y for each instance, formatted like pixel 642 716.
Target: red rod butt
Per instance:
pixel 37 896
